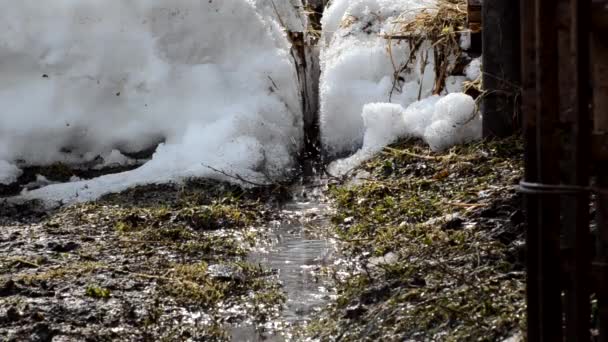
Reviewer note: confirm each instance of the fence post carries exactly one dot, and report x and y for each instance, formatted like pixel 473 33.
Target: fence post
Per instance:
pixel 600 136
pixel 576 142
pixel 548 167
pixel 528 81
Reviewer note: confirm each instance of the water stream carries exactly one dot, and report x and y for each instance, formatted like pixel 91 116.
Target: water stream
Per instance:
pixel 298 251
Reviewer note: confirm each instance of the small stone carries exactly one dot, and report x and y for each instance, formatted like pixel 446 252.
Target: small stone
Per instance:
pixel 454 223
pixel 12 314
pixel 42 333
pixel 354 311
pixel 7 288
pixel 387 259
pixel 63 247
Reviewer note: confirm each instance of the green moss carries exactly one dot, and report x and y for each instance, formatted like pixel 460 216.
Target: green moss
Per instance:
pixel 69 270
pixel 447 283
pixel 97 292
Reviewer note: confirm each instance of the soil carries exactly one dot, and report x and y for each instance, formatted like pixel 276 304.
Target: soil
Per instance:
pixel 154 263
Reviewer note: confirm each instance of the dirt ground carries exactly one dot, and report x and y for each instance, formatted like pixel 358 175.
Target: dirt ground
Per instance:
pixel 154 263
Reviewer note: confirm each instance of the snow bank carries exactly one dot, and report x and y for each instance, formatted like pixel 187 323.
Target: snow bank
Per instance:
pixel 213 80
pixel 357 67
pixel 8 172
pixel 362 105
pixel 441 121
pixel 383 124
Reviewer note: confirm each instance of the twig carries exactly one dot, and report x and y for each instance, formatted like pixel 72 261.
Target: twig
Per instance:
pixel 278 15
pixel 419 156
pixel 236 176
pixel 23 261
pixel 465 205
pixel 422 72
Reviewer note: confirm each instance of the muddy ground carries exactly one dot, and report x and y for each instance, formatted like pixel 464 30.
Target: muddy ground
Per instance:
pixel 430 244
pixel 154 263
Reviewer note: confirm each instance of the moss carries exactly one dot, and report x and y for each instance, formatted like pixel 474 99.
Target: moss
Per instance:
pixel 452 279
pixel 192 284
pixel 66 271
pixel 97 292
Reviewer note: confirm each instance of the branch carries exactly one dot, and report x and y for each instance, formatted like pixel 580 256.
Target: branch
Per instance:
pixel 236 176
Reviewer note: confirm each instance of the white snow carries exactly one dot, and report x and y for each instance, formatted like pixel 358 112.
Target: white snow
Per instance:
pixel 465 40
pixel 9 173
pixel 442 121
pixel 115 158
pixel 358 69
pixel 455 120
pixel 473 70
pixel 362 108
pixel 214 80
pixel 214 83
pixel 383 124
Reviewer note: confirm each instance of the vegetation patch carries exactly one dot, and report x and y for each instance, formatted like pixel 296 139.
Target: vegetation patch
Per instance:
pixel 435 242
pixel 94 291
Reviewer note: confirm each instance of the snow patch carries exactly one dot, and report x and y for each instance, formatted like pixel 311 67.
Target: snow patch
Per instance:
pixel 114 159
pixel 383 125
pixel 214 80
pixel 473 70
pixel 441 121
pixel 363 106
pixel 455 121
pixel 9 173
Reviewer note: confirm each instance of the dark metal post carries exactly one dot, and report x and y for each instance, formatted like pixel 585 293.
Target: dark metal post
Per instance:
pixel 501 69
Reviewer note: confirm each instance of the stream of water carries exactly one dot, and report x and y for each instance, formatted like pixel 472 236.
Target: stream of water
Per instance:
pixel 298 250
